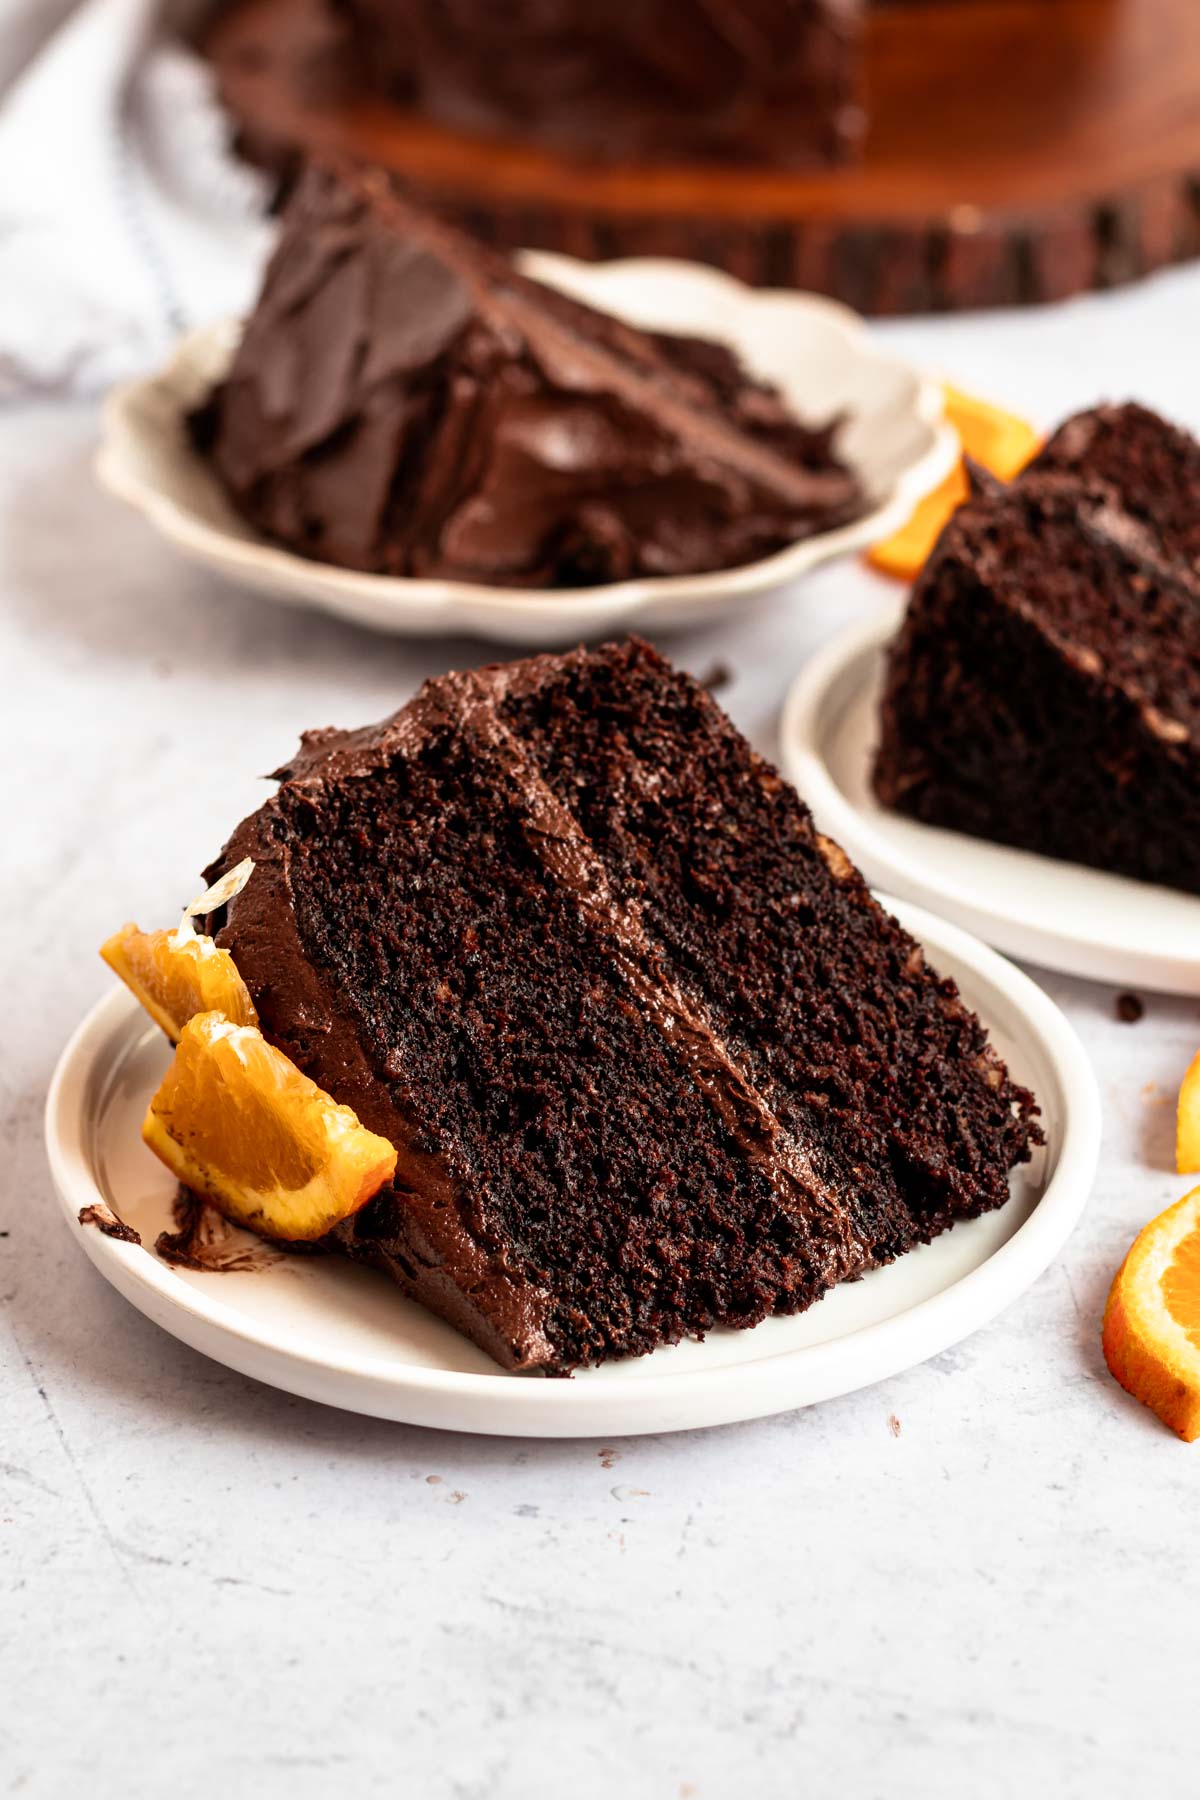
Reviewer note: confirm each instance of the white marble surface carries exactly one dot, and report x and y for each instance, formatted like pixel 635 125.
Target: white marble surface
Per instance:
pixel 979 1579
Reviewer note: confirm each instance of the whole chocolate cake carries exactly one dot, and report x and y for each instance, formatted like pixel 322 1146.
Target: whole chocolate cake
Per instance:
pixel 403 401
pixel 771 81
pixel 1044 690
pixel 652 1058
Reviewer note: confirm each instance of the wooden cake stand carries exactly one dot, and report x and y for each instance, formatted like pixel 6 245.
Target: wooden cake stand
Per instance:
pixel 1018 150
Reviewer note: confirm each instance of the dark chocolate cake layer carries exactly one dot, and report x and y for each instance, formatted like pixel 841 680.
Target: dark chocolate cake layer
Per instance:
pixel 764 81
pixel 652 1058
pixel 770 924
pixel 1044 689
pixel 404 402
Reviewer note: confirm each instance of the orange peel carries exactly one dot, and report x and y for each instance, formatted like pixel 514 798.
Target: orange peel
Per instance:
pixel 1151 1333
pixel 175 979
pixel 176 974
pixel 1187 1121
pixel 1000 441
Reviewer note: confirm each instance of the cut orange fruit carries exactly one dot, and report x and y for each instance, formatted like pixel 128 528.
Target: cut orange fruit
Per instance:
pixel 998 440
pixel 178 974
pixel 1152 1320
pixel 1187 1121
pixel 237 1122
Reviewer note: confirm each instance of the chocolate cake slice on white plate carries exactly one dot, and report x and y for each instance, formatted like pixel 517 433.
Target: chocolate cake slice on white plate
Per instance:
pixel 651 1058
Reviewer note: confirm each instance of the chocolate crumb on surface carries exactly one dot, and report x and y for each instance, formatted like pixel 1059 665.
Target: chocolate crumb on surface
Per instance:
pixel 1129 1008
pixel 205 1241
pixel 718 676
pixel 105 1220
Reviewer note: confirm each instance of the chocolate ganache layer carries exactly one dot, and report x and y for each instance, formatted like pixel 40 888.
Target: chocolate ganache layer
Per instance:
pixel 403 401
pixel 652 1058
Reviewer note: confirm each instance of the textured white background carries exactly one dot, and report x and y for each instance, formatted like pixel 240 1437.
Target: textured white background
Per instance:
pixel 980 1579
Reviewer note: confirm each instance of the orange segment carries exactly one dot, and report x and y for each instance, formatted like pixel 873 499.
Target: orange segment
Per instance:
pixel 1181 1286
pixel 1187 1121
pixel 999 440
pixel 176 974
pixel 237 1122
pixel 1152 1320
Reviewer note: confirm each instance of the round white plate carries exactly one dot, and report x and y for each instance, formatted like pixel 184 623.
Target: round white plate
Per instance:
pixel 1061 915
pixel 819 353
pixel 317 1326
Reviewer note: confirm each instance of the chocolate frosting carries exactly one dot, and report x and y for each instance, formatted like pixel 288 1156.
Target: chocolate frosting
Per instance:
pixel 404 402
pixel 770 81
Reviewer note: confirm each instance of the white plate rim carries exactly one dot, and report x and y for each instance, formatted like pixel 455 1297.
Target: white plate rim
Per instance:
pixel 511 1405
pixel 836 671
pixel 422 606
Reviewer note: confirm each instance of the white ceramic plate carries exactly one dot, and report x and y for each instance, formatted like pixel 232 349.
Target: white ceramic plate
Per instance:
pixel 1079 921
pixel 819 353
pixel 319 1327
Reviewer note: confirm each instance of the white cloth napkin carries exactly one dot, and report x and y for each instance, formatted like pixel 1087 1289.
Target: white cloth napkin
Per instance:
pixel 124 218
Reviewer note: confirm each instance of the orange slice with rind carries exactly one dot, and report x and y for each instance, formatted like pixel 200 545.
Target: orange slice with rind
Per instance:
pixel 1187 1121
pixel 1152 1320
pixel 176 974
pixel 1000 441
pixel 174 978
pixel 238 1123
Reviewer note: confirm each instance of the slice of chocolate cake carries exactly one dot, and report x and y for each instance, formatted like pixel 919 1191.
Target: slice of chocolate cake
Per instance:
pixel 403 401
pixel 652 1058
pixel 1044 689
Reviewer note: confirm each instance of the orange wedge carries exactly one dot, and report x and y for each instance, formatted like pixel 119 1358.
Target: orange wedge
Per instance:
pixel 1152 1320
pixel 176 974
pixel 1000 441
pixel 237 1122
pixel 1187 1121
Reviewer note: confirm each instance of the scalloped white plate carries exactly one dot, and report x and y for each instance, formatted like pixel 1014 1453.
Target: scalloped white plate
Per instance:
pixel 819 353
pixel 1079 921
pixel 317 1326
